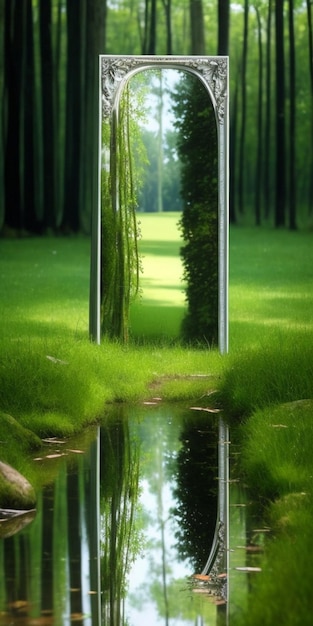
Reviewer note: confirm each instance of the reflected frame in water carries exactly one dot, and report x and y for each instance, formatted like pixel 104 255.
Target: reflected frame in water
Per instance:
pixel 212 72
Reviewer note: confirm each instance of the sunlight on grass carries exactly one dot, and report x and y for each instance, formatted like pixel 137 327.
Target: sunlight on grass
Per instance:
pixel 161 305
pixel 45 311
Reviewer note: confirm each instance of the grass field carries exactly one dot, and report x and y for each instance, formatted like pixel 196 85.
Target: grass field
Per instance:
pixel 44 313
pixel 45 284
pixel 54 381
pixel 159 310
pixel 270 277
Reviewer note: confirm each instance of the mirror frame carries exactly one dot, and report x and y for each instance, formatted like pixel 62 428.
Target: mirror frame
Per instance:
pixel 212 71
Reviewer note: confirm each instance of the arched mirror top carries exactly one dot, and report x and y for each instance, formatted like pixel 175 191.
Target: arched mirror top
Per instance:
pixel 211 71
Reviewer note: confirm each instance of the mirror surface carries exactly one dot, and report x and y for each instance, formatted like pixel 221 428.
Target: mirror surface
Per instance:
pixel 162 201
pixel 174 130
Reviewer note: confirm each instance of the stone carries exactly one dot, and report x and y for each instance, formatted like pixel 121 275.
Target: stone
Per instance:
pixel 15 490
pixel 11 522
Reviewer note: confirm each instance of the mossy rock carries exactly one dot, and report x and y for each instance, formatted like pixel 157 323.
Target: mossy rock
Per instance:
pixel 13 435
pixel 15 491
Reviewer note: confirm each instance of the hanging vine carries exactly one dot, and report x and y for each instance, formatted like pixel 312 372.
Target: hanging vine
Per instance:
pixel 120 233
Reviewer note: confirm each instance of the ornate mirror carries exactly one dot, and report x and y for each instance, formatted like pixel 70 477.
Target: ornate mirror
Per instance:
pixel 183 102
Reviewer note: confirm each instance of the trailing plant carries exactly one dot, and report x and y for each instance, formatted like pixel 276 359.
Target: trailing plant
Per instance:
pixel 120 232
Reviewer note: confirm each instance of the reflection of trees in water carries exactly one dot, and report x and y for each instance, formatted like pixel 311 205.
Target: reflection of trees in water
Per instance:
pixel 41 573
pixel 118 495
pixel 197 488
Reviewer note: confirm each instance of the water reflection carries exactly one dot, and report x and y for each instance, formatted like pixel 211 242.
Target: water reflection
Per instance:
pixel 139 539
pixel 157 529
pixel 49 572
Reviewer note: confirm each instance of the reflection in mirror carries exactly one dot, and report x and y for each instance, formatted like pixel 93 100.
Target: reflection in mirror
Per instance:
pixel 180 103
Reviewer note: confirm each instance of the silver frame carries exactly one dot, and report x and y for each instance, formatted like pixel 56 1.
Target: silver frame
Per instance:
pixel 114 72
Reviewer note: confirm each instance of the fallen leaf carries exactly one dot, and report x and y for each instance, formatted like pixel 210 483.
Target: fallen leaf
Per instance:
pixel 54 360
pixel 207 410
pixel 54 440
pixel 248 569
pixel 75 451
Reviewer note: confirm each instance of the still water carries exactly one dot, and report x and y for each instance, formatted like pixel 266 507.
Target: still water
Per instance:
pixel 137 523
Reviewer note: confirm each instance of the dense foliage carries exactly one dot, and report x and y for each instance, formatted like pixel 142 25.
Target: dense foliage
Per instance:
pixel 197 148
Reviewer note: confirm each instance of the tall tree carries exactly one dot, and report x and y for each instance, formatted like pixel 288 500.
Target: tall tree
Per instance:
pixel 259 146
pixel 310 47
pixel 150 28
pixel 167 4
pixel 95 24
pixel 74 95
pixel 310 40
pixel 48 113
pixel 223 27
pixel 242 134
pixel 280 190
pixel 13 50
pixel 197 27
pixel 160 107
pixel 31 198
pixel 292 119
pixel 268 113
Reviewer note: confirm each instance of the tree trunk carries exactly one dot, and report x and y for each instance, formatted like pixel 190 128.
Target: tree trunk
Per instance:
pixel 280 116
pixel 48 120
pixel 73 143
pixel 259 151
pixel 13 52
pixel 310 41
pixel 197 27
pixel 268 110
pixel 29 186
pixel 223 27
pixel 151 49
pixel 292 120
pixel 160 143
pixel 95 36
pixel 241 178
pixel 167 4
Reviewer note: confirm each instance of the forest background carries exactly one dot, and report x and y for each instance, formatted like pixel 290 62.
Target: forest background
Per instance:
pixel 49 104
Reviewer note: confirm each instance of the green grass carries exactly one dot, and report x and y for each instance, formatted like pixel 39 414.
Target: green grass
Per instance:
pixel 44 313
pixel 158 312
pixel 270 286
pixel 276 458
pixel 55 382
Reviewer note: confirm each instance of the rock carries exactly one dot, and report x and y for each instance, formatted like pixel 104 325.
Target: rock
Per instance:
pixel 11 522
pixel 16 436
pixel 15 490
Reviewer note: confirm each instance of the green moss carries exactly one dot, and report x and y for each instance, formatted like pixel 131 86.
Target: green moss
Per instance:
pixel 15 439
